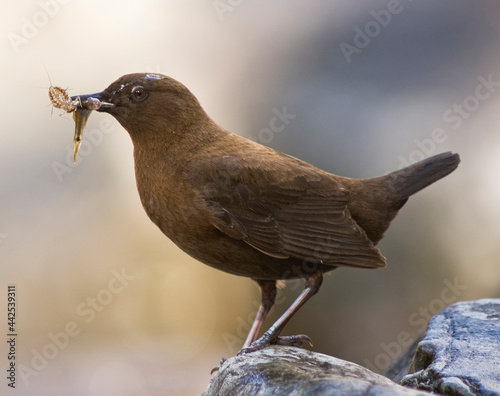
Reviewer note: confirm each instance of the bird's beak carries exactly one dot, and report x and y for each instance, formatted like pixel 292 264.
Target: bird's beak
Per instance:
pixel 84 105
pixel 91 102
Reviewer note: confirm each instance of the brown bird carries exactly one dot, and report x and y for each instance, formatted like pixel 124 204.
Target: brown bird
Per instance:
pixel 245 208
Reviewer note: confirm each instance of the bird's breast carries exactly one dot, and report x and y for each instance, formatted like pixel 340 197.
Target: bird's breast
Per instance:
pixel 169 200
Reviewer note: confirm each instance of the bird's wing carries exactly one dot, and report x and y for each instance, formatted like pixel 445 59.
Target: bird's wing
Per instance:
pixel 293 211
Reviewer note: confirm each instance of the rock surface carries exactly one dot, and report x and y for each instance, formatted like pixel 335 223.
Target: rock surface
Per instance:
pixel 460 353
pixel 298 372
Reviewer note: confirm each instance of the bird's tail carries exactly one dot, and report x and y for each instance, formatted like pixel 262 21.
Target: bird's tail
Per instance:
pixel 407 181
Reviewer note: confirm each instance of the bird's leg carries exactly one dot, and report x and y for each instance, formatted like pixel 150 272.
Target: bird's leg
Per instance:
pixel 268 290
pixel 271 336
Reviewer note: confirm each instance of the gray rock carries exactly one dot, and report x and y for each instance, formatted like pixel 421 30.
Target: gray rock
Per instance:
pixel 290 371
pixel 460 353
pixel 399 368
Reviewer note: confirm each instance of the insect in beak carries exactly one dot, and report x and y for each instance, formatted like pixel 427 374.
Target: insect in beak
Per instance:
pixel 80 106
pixel 84 104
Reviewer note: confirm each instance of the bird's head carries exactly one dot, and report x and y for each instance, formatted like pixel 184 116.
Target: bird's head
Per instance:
pixel 146 104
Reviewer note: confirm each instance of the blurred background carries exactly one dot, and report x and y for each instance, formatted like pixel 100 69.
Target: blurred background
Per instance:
pixel 108 306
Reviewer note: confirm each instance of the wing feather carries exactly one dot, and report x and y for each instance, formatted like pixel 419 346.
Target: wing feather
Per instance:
pixel 304 216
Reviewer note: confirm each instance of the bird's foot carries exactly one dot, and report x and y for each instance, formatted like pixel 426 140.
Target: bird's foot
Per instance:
pixel 269 339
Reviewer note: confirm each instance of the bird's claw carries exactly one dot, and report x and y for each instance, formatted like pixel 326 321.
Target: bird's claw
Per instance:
pixel 266 340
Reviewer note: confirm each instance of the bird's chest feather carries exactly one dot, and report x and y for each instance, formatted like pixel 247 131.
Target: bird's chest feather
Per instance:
pixel 170 201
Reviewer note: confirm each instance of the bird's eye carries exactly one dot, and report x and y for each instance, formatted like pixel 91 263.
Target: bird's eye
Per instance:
pixel 139 93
